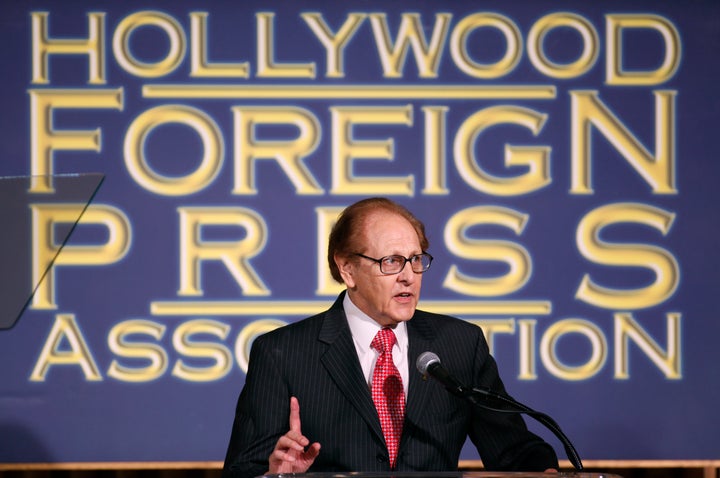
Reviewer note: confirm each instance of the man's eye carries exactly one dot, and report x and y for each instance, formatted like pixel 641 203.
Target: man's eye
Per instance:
pixel 392 260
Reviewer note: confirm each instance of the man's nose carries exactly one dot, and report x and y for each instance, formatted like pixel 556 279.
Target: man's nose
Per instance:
pixel 406 274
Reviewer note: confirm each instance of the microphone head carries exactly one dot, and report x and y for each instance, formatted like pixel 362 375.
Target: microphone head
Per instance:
pixel 424 360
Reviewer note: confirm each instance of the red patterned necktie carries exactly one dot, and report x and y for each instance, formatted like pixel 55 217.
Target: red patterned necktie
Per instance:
pixel 387 392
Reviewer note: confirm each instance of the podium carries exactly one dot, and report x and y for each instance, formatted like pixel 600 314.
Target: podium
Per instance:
pixel 450 474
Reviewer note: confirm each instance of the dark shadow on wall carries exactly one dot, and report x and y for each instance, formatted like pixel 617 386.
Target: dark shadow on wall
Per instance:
pixel 19 445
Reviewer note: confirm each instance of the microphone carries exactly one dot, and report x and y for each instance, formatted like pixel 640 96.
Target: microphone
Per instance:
pixel 428 363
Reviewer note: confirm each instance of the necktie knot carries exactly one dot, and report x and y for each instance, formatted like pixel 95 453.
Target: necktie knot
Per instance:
pixel 384 341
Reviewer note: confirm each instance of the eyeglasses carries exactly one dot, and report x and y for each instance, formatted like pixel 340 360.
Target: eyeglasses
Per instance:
pixel 395 264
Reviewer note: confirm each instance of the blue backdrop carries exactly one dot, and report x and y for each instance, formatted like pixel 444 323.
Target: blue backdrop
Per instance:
pixel 563 157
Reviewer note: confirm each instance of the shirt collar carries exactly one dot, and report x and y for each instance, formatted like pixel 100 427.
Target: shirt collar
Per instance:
pixel 363 328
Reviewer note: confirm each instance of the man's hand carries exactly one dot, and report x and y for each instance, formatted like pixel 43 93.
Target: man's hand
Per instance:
pixel 290 454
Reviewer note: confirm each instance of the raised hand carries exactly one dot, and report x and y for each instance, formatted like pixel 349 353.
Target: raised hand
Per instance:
pixel 292 453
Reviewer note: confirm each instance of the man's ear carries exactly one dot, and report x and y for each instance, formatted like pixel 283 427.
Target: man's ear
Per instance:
pixel 346 267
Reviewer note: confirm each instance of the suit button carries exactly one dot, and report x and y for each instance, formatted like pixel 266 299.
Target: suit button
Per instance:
pixel 381 459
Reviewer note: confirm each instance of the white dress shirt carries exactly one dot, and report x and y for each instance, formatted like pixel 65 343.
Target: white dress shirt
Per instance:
pixel 363 330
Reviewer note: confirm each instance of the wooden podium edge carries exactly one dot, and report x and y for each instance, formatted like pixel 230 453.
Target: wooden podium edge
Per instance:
pixel 710 467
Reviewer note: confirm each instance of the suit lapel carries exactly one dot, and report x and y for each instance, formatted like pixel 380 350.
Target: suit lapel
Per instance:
pixel 341 361
pixel 420 337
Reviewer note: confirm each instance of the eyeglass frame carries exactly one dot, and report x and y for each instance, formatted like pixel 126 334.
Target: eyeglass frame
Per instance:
pixel 406 259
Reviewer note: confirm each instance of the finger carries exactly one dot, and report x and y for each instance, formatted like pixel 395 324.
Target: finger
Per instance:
pixel 312 451
pixel 292 441
pixel 280 455
pixel 295 415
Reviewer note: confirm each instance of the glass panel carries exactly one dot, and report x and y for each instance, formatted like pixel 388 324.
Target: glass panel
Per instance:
pixel 17 196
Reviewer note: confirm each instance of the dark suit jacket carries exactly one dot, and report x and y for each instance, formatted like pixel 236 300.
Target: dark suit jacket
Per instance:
pixel 315 360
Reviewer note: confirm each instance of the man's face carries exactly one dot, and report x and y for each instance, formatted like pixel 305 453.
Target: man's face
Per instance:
pixel 388 299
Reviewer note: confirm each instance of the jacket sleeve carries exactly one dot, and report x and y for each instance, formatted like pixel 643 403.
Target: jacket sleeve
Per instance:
pixel 261 415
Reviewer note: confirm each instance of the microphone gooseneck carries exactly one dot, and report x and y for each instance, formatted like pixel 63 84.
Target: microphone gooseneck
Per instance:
pixel 428 363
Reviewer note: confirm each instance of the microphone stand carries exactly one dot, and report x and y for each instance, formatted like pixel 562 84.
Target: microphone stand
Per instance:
pixel 479 397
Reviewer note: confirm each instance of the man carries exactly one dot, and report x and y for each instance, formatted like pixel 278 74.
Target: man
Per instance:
pixel 318 396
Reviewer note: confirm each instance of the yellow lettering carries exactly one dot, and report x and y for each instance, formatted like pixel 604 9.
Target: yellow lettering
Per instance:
pixel 459 48
pixel 267 67
pixel 43 46
pixel 616 24
pixel 167 24
pixel 220 355
pixel 528 366
pixel 326 285
pixel 461 244
pixel 153 353
pixel 435 151
pixel 589 111
pixel 45 139
pixel 200 66
pixel 410 34
pixel 626 329
pixel 587 58
pixel 45 248
pixel 334 43
pixel 234 255
pixel 77 353
pixel 535 159
pixel 289 154
pixel 345 149
pixel 492 327
pixel 549 356
pixel 660 261
pixel 210 164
